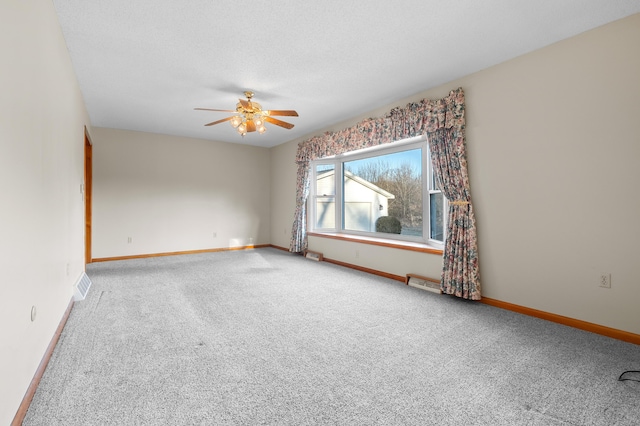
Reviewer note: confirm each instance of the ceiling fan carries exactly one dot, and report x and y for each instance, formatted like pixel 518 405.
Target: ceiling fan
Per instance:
pixel 250 116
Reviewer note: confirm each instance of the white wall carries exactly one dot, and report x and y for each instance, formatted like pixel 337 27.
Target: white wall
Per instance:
pixel 553 142
pixel 171 194
pixel 42 121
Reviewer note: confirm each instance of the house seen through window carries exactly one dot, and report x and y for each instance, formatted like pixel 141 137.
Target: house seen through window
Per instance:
pixel 388 192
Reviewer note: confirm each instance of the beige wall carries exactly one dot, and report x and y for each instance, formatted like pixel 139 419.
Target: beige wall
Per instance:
pixel 283 194
pixel 42 121
pixel 553 140
pixel 554 148
pixel 172 194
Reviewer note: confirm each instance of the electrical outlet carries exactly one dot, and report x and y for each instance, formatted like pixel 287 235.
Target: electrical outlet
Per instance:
pixel 357 254
pixel 605 280
pixel 215 234
pixel 129 239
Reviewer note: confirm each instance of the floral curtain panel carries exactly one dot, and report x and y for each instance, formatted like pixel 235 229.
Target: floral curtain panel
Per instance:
pixel 460 262
pixel 443 122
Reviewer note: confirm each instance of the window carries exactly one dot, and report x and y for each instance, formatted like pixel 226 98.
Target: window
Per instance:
pixel 388 192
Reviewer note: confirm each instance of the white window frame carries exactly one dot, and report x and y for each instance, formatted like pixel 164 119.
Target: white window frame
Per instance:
pixel 428 187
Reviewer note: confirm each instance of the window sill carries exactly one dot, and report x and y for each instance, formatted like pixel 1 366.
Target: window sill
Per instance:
pixel 401 245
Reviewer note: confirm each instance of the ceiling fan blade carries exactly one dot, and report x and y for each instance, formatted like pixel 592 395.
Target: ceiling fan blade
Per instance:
pixel 209 109
pixel 219 121
pixel 278 122
pixel 287 112
pixel 251 126
pixel 245 104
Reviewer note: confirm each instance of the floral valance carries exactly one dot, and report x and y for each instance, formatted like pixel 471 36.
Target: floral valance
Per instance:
pixel 415 119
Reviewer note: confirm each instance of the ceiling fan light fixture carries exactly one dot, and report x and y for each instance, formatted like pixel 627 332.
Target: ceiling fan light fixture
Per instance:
pixel 261 129
pixel 242 129
pixel 236 121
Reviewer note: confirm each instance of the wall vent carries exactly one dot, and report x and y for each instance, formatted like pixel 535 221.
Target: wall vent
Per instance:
pixel 81 288
pixel 313 255
pixel 424 283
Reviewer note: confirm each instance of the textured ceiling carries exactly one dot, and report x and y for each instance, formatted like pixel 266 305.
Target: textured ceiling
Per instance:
pixel 145 64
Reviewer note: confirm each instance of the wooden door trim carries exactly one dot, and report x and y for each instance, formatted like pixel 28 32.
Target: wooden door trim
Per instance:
pixel 88 194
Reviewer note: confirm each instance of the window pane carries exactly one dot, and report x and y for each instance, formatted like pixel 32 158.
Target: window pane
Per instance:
pixel 436 207
pixel 325 196
pixel 434 181
pixel 384 185
pixel 325 213
pixel 325 180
